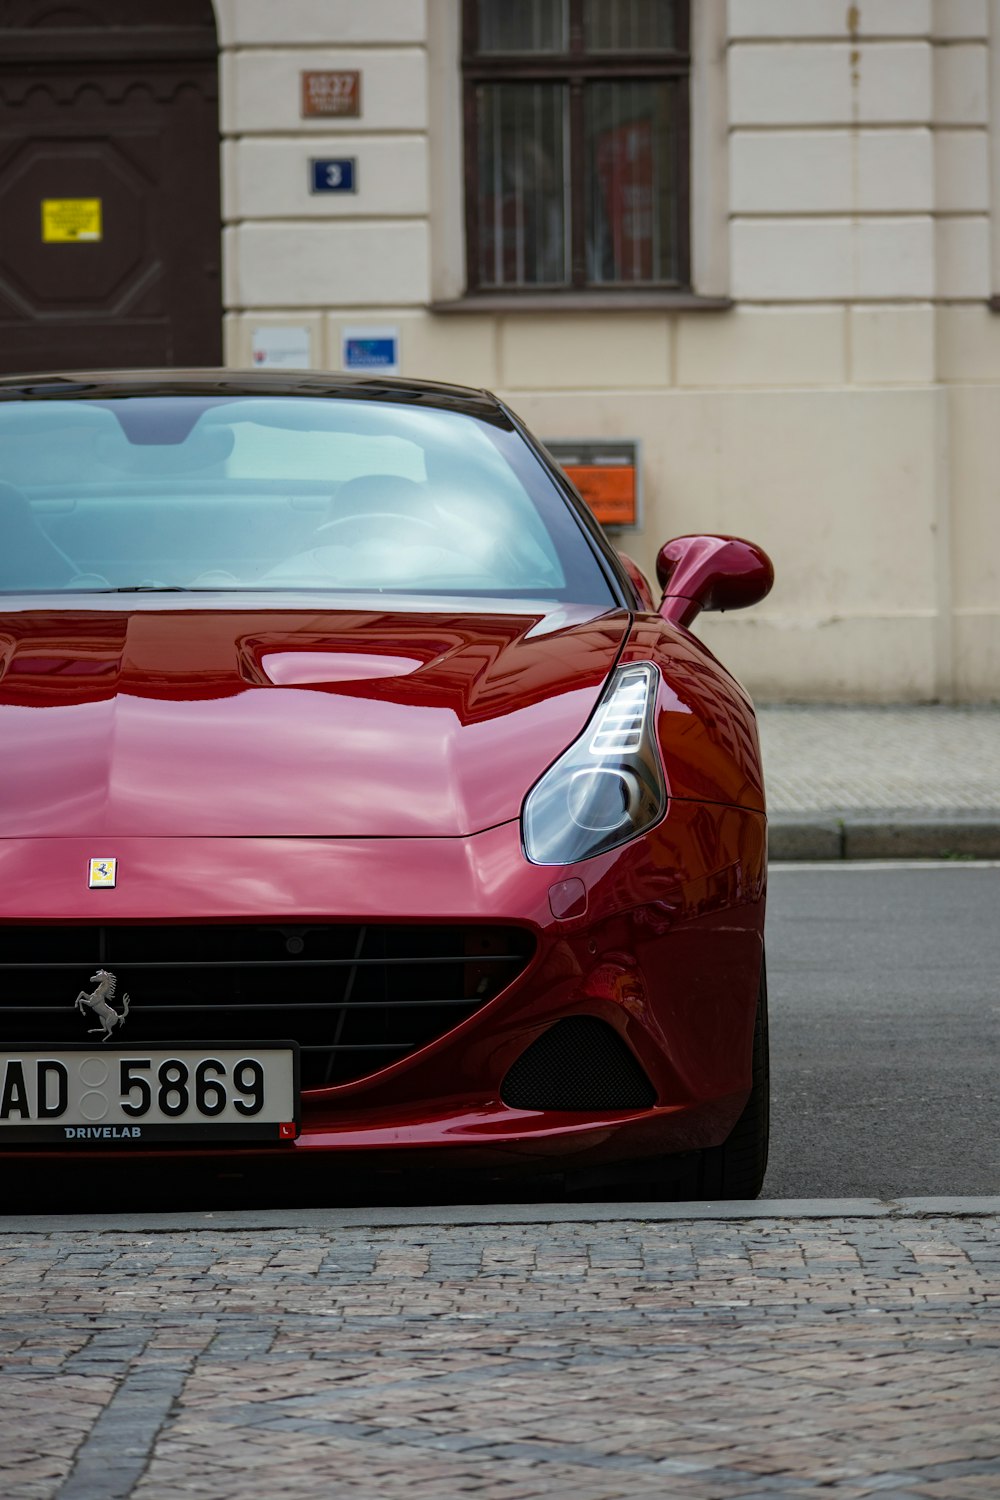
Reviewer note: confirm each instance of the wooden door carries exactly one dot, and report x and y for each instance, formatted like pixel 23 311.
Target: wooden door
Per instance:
pixel 110 237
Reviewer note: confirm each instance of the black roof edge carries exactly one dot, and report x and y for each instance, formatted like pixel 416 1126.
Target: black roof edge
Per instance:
pixel 109 384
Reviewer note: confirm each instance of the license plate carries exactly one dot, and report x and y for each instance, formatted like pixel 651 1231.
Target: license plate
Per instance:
pixel 198 1092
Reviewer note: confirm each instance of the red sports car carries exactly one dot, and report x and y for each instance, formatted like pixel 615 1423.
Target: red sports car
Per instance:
pixel 359 802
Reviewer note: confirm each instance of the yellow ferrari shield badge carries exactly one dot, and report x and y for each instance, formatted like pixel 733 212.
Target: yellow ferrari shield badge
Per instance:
pixel 103 873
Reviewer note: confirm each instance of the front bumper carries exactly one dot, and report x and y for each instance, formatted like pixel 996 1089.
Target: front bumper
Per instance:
pixel 660 939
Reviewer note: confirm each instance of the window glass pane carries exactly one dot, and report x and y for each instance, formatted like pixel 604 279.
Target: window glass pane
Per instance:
pixel 247 493
pixel 522 208
pixel 523 26
pixel 630 25
pixel 631 182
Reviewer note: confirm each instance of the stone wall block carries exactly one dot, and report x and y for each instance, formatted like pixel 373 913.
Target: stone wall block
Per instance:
pixel 264 92
pixel 348 264
pixel 961 171
pixel 968 343
pixel 816 259
pixel 256 23
pixel 828 18
pixel 892 345
pixel 963 256
pixel 612 351
pixel 756 346
pixel 961 18
pixel 961 85
pixel 270 179
pixel 832 171
pixel 894 257
pixel 830 84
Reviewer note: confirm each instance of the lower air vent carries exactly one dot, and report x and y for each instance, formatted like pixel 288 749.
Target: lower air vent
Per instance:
pixel 580 1064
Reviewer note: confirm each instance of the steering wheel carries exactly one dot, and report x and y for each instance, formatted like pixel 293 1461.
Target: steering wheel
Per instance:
pixel 88 581
pixel 376 515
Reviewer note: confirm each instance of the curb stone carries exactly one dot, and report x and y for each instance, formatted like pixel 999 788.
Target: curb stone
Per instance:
pixel 804 839
pixel 885 835
pixel 386 1217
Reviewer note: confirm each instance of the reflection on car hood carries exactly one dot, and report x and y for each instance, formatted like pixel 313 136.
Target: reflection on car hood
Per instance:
pixel 159 721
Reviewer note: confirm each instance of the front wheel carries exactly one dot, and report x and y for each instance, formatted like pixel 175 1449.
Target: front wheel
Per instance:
pixel 736 1168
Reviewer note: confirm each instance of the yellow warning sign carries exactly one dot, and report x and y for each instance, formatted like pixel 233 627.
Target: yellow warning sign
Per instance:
pixel 71 219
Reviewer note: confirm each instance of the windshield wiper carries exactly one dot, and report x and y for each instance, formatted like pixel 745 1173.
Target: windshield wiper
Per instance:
pixel 146 588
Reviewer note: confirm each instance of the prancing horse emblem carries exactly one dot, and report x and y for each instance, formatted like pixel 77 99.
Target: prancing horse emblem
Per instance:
pixel 98 1003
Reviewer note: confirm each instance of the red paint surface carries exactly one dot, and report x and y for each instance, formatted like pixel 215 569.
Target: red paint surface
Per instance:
pixel 711 572
pixel 226 797
pixel 668 953
pixel 639 581
pixel 169 723
pixel 165 723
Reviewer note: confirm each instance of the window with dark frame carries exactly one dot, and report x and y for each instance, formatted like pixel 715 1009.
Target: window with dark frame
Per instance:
pixel 576 144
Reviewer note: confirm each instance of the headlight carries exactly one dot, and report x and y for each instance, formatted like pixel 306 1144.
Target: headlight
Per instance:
pixel 608 786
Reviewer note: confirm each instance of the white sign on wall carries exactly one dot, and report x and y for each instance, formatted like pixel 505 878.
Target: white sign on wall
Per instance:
pixel 278 348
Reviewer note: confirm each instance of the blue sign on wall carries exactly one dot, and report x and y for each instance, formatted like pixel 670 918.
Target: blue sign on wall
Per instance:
pixel 374 349
pixel 333 174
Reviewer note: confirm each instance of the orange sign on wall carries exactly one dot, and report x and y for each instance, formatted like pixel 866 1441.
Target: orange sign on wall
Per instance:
pixel 610 493
pixel 607 476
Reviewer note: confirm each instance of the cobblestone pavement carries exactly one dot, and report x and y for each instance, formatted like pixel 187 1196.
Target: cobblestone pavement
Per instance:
pixel 819 758
pixel 710 1358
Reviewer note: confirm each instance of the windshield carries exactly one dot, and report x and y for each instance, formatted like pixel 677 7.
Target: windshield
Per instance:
pixel 277 493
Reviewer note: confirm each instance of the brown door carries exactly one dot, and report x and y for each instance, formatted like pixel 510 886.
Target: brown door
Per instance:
pixel 109 185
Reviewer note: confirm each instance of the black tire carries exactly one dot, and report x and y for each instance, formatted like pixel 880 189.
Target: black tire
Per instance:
pixel 736 1168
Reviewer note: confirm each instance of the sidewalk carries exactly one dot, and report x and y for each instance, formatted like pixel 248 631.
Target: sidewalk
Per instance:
pixel 506 1356
pixel 882 782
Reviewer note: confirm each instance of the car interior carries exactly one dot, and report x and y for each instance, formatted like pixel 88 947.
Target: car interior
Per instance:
pixel 86 505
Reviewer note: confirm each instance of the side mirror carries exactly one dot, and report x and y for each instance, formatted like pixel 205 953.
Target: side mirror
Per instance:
pixel 710 572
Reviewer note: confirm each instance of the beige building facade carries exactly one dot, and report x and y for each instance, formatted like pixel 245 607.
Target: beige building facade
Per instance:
pixel 829 387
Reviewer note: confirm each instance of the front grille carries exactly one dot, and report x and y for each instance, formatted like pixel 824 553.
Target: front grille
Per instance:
pixel 355 997
pixel 579 1063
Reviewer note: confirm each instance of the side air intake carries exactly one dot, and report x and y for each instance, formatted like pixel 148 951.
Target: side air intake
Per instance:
pixel 581 1064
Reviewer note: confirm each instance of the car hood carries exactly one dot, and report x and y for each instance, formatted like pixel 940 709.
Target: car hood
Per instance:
pixel 221 721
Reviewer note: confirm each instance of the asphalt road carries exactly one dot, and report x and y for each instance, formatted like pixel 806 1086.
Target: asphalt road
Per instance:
pixel 885 1031
pixel 885 1046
